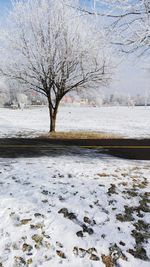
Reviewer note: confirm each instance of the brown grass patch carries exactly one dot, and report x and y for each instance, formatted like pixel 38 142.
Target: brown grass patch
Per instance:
pixel 80 135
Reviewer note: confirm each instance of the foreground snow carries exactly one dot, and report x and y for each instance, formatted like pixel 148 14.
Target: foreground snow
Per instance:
pixel 54 209
pixel 130 122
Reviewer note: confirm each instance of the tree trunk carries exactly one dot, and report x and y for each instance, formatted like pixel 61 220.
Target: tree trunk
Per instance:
pixel 52 117
pixel 53 121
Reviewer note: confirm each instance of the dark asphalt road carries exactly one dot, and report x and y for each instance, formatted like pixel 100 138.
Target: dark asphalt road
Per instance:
pixel 35 147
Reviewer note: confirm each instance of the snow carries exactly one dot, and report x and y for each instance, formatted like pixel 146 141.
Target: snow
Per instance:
pixel 82 183
pixel 105 198
pixel 127 121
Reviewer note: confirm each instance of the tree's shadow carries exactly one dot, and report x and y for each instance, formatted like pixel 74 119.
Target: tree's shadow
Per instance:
pixel 18 147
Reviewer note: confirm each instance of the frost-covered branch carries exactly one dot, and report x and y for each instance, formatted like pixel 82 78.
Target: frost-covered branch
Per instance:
pixel 129 21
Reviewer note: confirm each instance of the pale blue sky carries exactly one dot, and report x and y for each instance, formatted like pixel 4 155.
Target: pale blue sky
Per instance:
pixel 4 3
pixel 131 76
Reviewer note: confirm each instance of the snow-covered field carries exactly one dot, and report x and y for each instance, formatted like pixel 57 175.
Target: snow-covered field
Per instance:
pixel 74 211
pixel 130 122
pixel 81 209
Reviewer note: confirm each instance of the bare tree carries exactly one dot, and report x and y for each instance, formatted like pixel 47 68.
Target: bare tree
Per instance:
pixel 48 47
